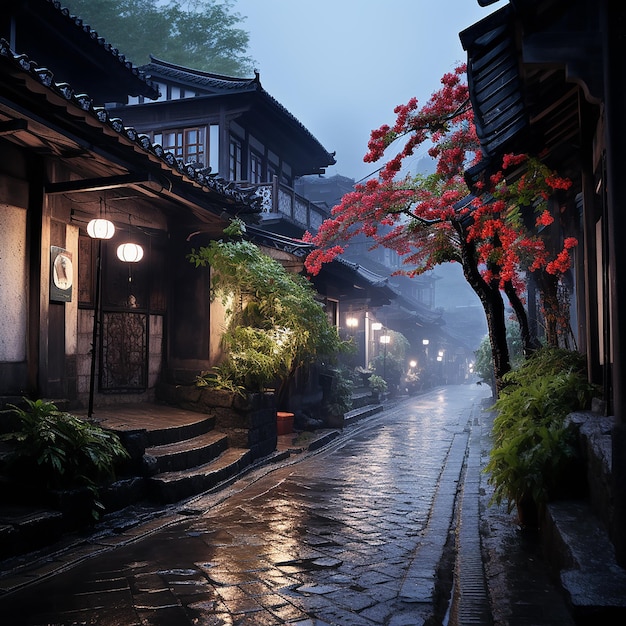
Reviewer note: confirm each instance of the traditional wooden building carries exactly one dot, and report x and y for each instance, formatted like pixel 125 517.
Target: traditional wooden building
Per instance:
pixel 547 78
pixel 72 327
pixel 238 130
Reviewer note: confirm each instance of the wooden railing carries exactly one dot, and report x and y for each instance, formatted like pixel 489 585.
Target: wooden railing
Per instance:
pixel 280 199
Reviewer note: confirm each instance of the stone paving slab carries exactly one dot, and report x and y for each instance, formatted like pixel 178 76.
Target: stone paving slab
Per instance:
pixel 338 546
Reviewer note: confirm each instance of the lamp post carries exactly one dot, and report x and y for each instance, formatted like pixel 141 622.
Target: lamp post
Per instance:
pixel 98 229
pixel 385 339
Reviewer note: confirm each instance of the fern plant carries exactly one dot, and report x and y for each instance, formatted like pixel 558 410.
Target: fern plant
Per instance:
pixel 532 450
pixel 56 450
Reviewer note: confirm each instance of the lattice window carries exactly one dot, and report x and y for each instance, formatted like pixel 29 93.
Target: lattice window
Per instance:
pixel 124 352
pixel 188 144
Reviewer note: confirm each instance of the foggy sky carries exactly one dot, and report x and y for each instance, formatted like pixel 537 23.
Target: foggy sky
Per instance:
pixel 341 66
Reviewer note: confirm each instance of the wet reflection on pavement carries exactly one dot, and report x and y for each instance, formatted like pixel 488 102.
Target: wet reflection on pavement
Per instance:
pixel 326 540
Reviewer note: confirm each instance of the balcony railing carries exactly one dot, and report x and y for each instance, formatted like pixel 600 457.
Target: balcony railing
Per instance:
pixel 279 199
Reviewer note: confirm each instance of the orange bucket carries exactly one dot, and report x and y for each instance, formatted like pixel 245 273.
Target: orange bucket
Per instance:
pixel 284 423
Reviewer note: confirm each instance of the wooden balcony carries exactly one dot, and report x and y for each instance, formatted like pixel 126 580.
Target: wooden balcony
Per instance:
pixel 281 201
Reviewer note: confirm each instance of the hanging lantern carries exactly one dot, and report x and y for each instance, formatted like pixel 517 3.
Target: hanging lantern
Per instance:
pixel 130 252
pixel 100 229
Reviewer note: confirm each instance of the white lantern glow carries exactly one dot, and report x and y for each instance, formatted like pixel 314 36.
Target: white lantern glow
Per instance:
pixel 130 252
pixel 100 229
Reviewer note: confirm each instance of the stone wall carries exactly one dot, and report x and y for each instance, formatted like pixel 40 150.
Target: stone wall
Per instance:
pixel 249 421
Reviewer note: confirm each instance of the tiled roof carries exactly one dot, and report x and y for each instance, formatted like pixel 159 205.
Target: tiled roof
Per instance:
pixel 91 35
pixel 218 84
pixel 206 80
pixel 494 81
pixel 63 92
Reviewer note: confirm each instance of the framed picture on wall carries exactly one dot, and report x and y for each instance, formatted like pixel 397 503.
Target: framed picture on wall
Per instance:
pixel 61 275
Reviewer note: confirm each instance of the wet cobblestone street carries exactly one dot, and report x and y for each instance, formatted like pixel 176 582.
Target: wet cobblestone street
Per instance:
pixel 351 535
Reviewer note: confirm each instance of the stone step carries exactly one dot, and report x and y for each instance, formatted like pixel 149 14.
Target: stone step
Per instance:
pixel 24 528
pixel 361 412
pixel 594 584
pixel 162 436
pixel 181 455
pixel 170 487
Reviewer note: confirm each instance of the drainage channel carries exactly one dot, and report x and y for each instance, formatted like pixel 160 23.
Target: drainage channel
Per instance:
pixel 470 599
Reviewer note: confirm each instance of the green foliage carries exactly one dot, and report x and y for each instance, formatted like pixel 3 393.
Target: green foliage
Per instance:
pixel 483 365
pixel 219 378
pixel 390 362
pixel 55 450
pixel 532 449
pixel 274 322
pixel 203 34
pixel 377 383
pixel 339 398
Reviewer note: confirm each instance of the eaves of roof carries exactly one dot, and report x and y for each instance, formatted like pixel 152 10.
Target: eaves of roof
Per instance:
pixel 527 63
pixel 494 81
pixel 206 81
pixel 297 247
pixel 109 57
pixel 216 85
pixel 373 279
pixel 80 109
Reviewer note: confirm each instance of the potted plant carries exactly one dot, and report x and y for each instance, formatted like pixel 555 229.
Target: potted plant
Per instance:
pixel 378 385
pixel 534 453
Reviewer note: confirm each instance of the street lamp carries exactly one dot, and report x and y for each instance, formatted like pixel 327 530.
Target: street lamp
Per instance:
pixel 385 339
pixel 352 322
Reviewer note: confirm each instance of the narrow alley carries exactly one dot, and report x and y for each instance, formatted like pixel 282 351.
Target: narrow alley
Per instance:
pixel 352 535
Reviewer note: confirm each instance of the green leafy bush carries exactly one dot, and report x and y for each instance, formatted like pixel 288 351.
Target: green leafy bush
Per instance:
pixel 274 322
pixel 52 449
pixel 377 383
pixel 338 400
pixel 533 451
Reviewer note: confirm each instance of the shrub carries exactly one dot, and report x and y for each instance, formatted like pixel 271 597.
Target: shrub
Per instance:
pixel 532 449
pixel 274 323
pixel 377 383
pixel 55 450
pixel 338 400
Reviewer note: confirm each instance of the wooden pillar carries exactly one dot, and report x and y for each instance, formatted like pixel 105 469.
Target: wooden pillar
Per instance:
pixel 614 25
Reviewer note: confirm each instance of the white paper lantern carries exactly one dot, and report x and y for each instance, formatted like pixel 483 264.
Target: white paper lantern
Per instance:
pixel 100 229
pixel 130 252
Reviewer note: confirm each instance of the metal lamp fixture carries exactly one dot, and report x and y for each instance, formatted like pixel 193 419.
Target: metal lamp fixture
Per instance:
pixel 99 229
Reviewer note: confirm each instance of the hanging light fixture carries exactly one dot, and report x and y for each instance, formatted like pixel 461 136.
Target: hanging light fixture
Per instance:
pixel 100 227
pixel 130 252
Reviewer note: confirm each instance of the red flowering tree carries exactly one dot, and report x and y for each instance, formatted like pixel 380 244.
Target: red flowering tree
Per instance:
pixel 432 219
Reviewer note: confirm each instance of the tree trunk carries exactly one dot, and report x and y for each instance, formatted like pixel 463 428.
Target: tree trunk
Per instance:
pixel 553 317
pixel 493 305
pixel 529 343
